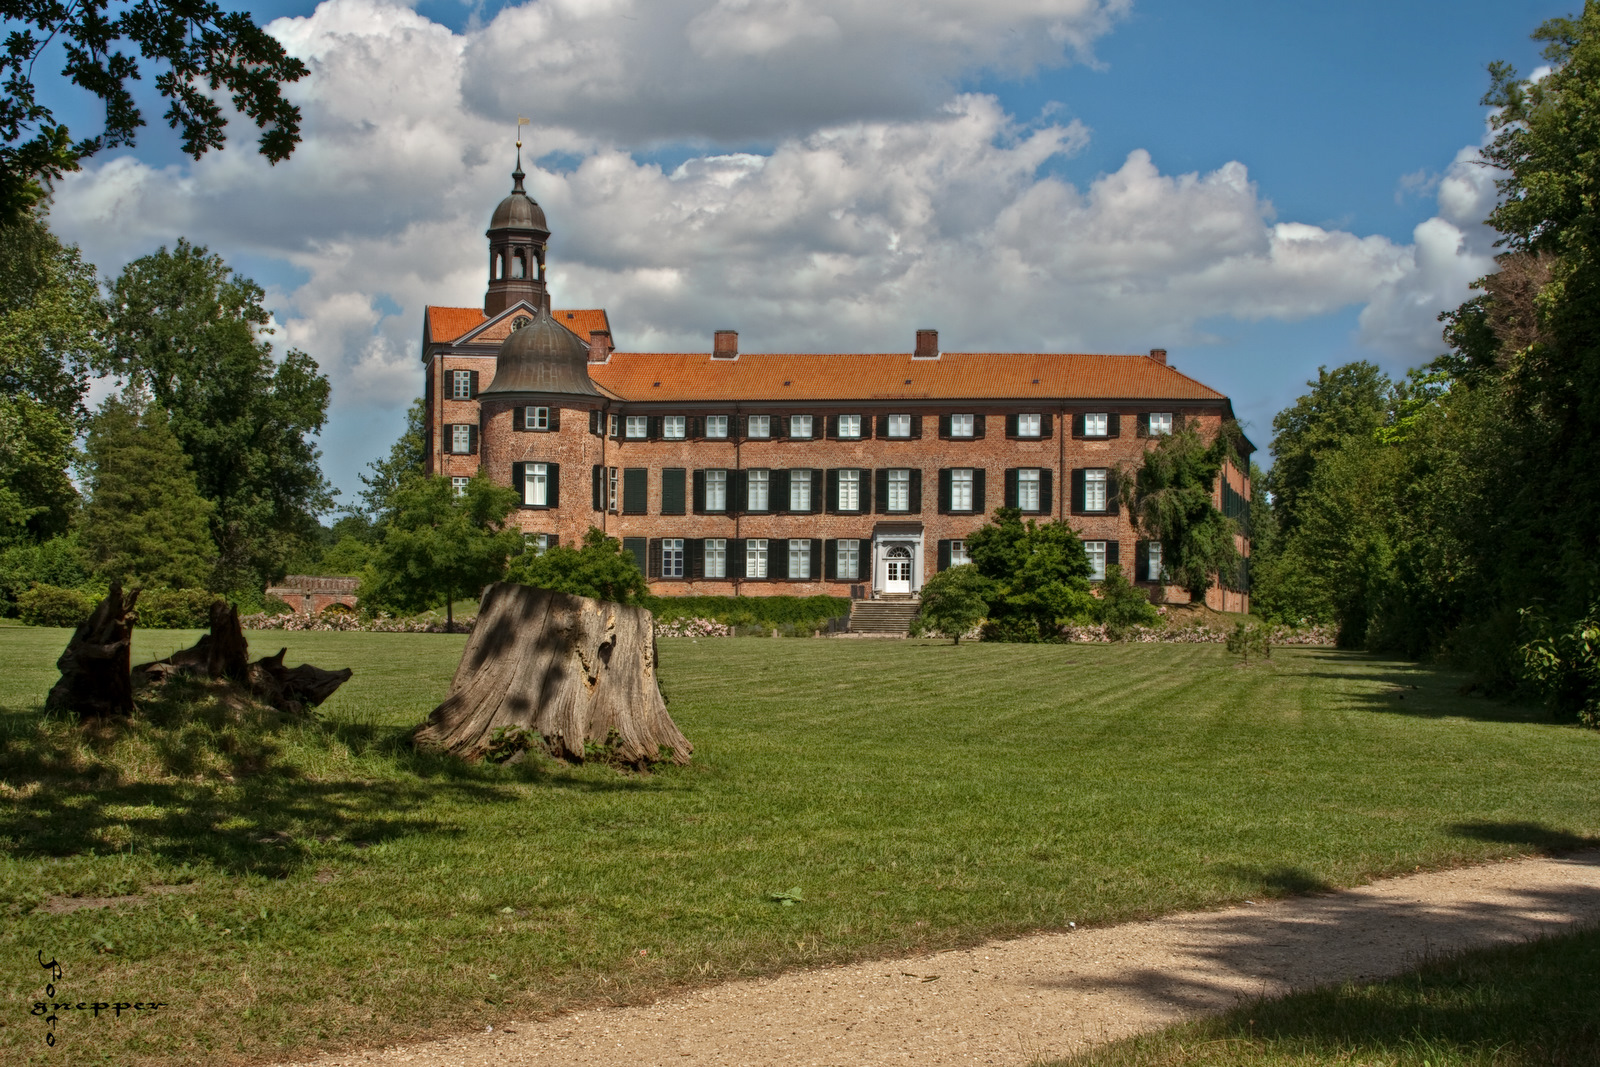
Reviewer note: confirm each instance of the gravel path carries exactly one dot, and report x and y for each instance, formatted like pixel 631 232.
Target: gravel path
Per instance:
pixel 1014 1002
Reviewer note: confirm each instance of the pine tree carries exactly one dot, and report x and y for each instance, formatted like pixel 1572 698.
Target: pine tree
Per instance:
pixel 146 522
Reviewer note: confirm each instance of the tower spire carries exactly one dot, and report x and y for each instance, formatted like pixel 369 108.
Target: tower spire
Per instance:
pixel 517 234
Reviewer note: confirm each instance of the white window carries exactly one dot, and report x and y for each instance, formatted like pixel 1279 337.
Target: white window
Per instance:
pixel 849 425
pixel 461 439
pixel 460 385
pixel 850 490
pixel 716 426
pixel 535 418
pixel 800 426
pixel 1028 489
pixel 899 425
pixel 800 558
pixel 672 557
pixel 611 489
pixel 961 425
pixel 961 490
pixel 675 427
pixel 1096 551
pixel 615 424
pixel 849 560
pixel 536 484
pixel 1030 425
pixel 800 490
pixel 716 557
pixel 1160 423
pixel 759 426
pixel 755 557
pixel 756 497
pixel 958 553
pixel 538 542
pixel 716 490
pixel 899 491
pixel 1096 425
pixel 1094 490
pixel 459 484
pixel 1153 561
pixel 638 426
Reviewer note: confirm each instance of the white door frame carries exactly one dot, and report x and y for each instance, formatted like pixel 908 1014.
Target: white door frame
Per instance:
pixel 881 543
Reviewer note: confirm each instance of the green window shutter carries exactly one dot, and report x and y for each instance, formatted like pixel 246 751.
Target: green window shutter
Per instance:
pixel 519 482
pixel 830 559
pixel 519 420
pixel 883 426
pixel 777 559
pixel 694 552
pixel 1113 501
pixel 1077 425
pixel 833 427
pixel 595 422
pixel 672 491
pixel 472 383
pixel 555 419
pixel 1011 486
pixel 816 558
pixel 977 490
pixel 735 493
pixel 880 490
pixel 833 490
pixel 1141 561
pixel 1141 426
pixel 1046 425
pixel 635 490
pixel 977 425
pixel 699 492
pixel 1114 425
pixel 916 426
pixel 637 548
pixel 1077 491
pixel 944 427
pixel 599 487
pixel 1113 553
pixel 655 559
pixel 653 428
pixel 553 485
pixel 736 557
pixel 1047 496
pixel 944 555
pixel 472 438
pixel 691 428
pixel 778 492
pixel 1011 428
pixel 916 491
pixel 944 489
pixel 866 491
pixel 816 490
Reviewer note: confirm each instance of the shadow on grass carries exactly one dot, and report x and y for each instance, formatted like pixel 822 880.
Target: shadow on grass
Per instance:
pixel 1418 690
pixel 1532 834
pixel 1279 881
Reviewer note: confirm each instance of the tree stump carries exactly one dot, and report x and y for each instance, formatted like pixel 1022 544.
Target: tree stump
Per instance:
pixel 570 669
pixel 293 689
pixel 95 680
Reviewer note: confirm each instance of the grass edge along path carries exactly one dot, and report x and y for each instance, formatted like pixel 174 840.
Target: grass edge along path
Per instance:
pixel 920 795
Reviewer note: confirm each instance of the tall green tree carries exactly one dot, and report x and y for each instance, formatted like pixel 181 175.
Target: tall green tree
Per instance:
pixel 406 461
pixel 1170 496
pixel 193 334
pixel 954 601
pixel 441 544
pixel 1347 403
pixel 1040 576
pixel 145 523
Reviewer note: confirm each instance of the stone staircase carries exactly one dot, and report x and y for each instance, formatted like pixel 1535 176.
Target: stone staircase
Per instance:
pixel 884 618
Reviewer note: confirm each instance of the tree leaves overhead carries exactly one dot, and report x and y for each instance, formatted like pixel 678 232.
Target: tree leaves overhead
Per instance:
pixel 201 51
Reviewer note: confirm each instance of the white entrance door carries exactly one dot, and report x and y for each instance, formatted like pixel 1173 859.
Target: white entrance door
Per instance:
pixel 897 570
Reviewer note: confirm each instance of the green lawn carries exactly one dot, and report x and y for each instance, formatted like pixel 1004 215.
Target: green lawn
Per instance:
pixel 920 795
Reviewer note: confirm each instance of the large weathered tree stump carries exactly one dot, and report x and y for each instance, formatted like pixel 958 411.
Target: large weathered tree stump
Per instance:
pixel 569 669
pixel 293 689
pixel 95 681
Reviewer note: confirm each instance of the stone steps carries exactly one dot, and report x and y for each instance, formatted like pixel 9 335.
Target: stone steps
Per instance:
pixel 883 616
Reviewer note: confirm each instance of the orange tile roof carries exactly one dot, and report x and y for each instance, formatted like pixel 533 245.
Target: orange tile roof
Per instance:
pixel 448 324
pixel 695 376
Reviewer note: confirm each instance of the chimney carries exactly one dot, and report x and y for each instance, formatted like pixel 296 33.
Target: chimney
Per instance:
pixel 927 345
pixel 725 344
pixel 599 346
pixel 1159 355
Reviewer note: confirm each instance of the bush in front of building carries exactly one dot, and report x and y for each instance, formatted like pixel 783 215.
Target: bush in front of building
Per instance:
pixel 1124 606
pixel 804 615
pixel 53 605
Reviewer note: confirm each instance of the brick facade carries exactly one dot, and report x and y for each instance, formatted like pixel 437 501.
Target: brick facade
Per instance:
pixel 311 594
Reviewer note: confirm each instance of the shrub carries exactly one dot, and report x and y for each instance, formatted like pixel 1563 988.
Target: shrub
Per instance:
pixel 1124 605
pixel 1563 663
pixel 804 613
pixel 1248 640
pixel 953 602
pixel 57 562
pixel 51 605
pixel 175 609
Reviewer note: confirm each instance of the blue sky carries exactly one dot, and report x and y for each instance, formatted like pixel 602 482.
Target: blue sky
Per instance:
pixel 745 163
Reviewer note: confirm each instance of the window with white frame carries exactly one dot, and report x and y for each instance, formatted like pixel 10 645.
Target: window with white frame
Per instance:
pixel 800 490
pixel 614 424
pixel 716 426
pixel 758 426
pixel 611 489
pixel 535 418
pixel 460 385
pixel 850 490
pixel 672 557
pixel 961 425
pixel 961 490
pixel 800 426
pixel 1094 490
pixel 899 425
pixel 716 490
pixel 849 562
pixel 538 542
pixel 849 425
pixel 675 427
pixel 958 553
pixel 1096 424
pixel 755 557
pixel 1030 425
pixel 1028 489
pixel 536 484
pixel 459 485
pixel 800 558
pixel 638 426
pixel 1096 551
pixel 716 557
pixel 1152 560
pixel 758 484
pixel 461 439
pixel 899 491
pixel 1160 423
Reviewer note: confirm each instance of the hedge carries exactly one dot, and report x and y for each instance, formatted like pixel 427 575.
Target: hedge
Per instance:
pixel 772 611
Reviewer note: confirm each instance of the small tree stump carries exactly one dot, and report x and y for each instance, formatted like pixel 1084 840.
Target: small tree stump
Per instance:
pixel 95 681
pixel 293 689
pixel 571 669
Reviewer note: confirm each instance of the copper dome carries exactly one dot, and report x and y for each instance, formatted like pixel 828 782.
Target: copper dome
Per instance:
pixel 542 356
pixel 519 211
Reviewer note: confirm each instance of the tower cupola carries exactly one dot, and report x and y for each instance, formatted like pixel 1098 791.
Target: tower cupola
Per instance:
pixel 517 237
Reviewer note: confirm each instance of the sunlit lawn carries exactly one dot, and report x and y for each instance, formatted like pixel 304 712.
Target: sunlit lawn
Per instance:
pixel 347 891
